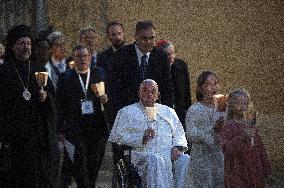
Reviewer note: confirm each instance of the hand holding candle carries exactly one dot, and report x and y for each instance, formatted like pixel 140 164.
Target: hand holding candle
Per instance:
pixel 99 91
pixel 71 64
pixel 41 78
pixel 148 135
pixel 250 119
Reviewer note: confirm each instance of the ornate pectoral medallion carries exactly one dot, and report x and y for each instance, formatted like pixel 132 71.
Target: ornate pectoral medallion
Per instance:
pixel 27 95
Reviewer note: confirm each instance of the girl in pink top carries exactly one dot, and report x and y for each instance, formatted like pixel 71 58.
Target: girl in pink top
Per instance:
pixel 246 160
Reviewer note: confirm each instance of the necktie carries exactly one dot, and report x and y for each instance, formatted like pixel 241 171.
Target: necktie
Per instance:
pixel 55 69
pixel 61 67
pixel 93 62
pixel 143 66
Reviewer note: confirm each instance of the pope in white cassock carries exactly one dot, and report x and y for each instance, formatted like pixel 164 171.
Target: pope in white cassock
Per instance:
pixel 152 130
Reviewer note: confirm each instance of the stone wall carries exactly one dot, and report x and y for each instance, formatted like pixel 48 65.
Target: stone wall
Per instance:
pixel 29 12
pixel 14 12
pixel 71 15
pixel 241 40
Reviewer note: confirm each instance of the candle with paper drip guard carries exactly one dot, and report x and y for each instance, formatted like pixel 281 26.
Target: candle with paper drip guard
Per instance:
pixel 99 90
pixel 220 102
pixel 71 64
pixel 151 114
pixel 41 78
pixel 250 121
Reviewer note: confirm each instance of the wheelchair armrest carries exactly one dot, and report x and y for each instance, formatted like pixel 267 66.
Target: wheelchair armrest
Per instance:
pixel 125 147
pixel 122 147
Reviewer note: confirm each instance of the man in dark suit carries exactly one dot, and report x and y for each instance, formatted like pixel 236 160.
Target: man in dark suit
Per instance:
pixel 139 61
pixel 180 80
pixel 115 35
pixel 106 58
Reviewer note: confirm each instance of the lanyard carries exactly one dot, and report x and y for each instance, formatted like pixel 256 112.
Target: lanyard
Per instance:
pixel 85 89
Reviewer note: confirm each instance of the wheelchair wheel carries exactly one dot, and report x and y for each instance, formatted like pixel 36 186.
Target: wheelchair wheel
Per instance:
pixel 120 179
pixel 133 179
pixel 126 175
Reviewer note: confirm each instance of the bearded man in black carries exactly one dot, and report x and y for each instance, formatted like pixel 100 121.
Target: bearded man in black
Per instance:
pixel 23 110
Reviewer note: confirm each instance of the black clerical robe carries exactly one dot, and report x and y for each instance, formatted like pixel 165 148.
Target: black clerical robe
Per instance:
pixel 181 85
pixel 23 124
pixel 88 132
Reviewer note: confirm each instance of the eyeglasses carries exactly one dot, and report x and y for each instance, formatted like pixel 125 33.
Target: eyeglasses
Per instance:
pixel 83 57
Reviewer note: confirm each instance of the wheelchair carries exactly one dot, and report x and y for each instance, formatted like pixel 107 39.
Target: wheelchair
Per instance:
pixel 125 174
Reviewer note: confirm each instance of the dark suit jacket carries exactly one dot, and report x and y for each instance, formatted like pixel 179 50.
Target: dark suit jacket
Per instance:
pixel 126 76
pixel 75 126
pixel 105 59
pixel 181 85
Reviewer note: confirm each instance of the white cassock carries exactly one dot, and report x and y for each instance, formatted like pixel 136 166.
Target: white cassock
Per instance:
pixel 206 157
pixel 180 170
pixel 153 160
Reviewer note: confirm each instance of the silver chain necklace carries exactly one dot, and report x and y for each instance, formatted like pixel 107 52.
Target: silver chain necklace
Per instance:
pixel 26 94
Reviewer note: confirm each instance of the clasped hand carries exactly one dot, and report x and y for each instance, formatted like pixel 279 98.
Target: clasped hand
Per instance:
pixel 103 98
pixel 148 135
pixel 175 153
pixel 248 133
pixel 42 95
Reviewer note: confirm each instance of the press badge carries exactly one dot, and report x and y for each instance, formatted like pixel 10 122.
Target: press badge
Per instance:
pixel 87 107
